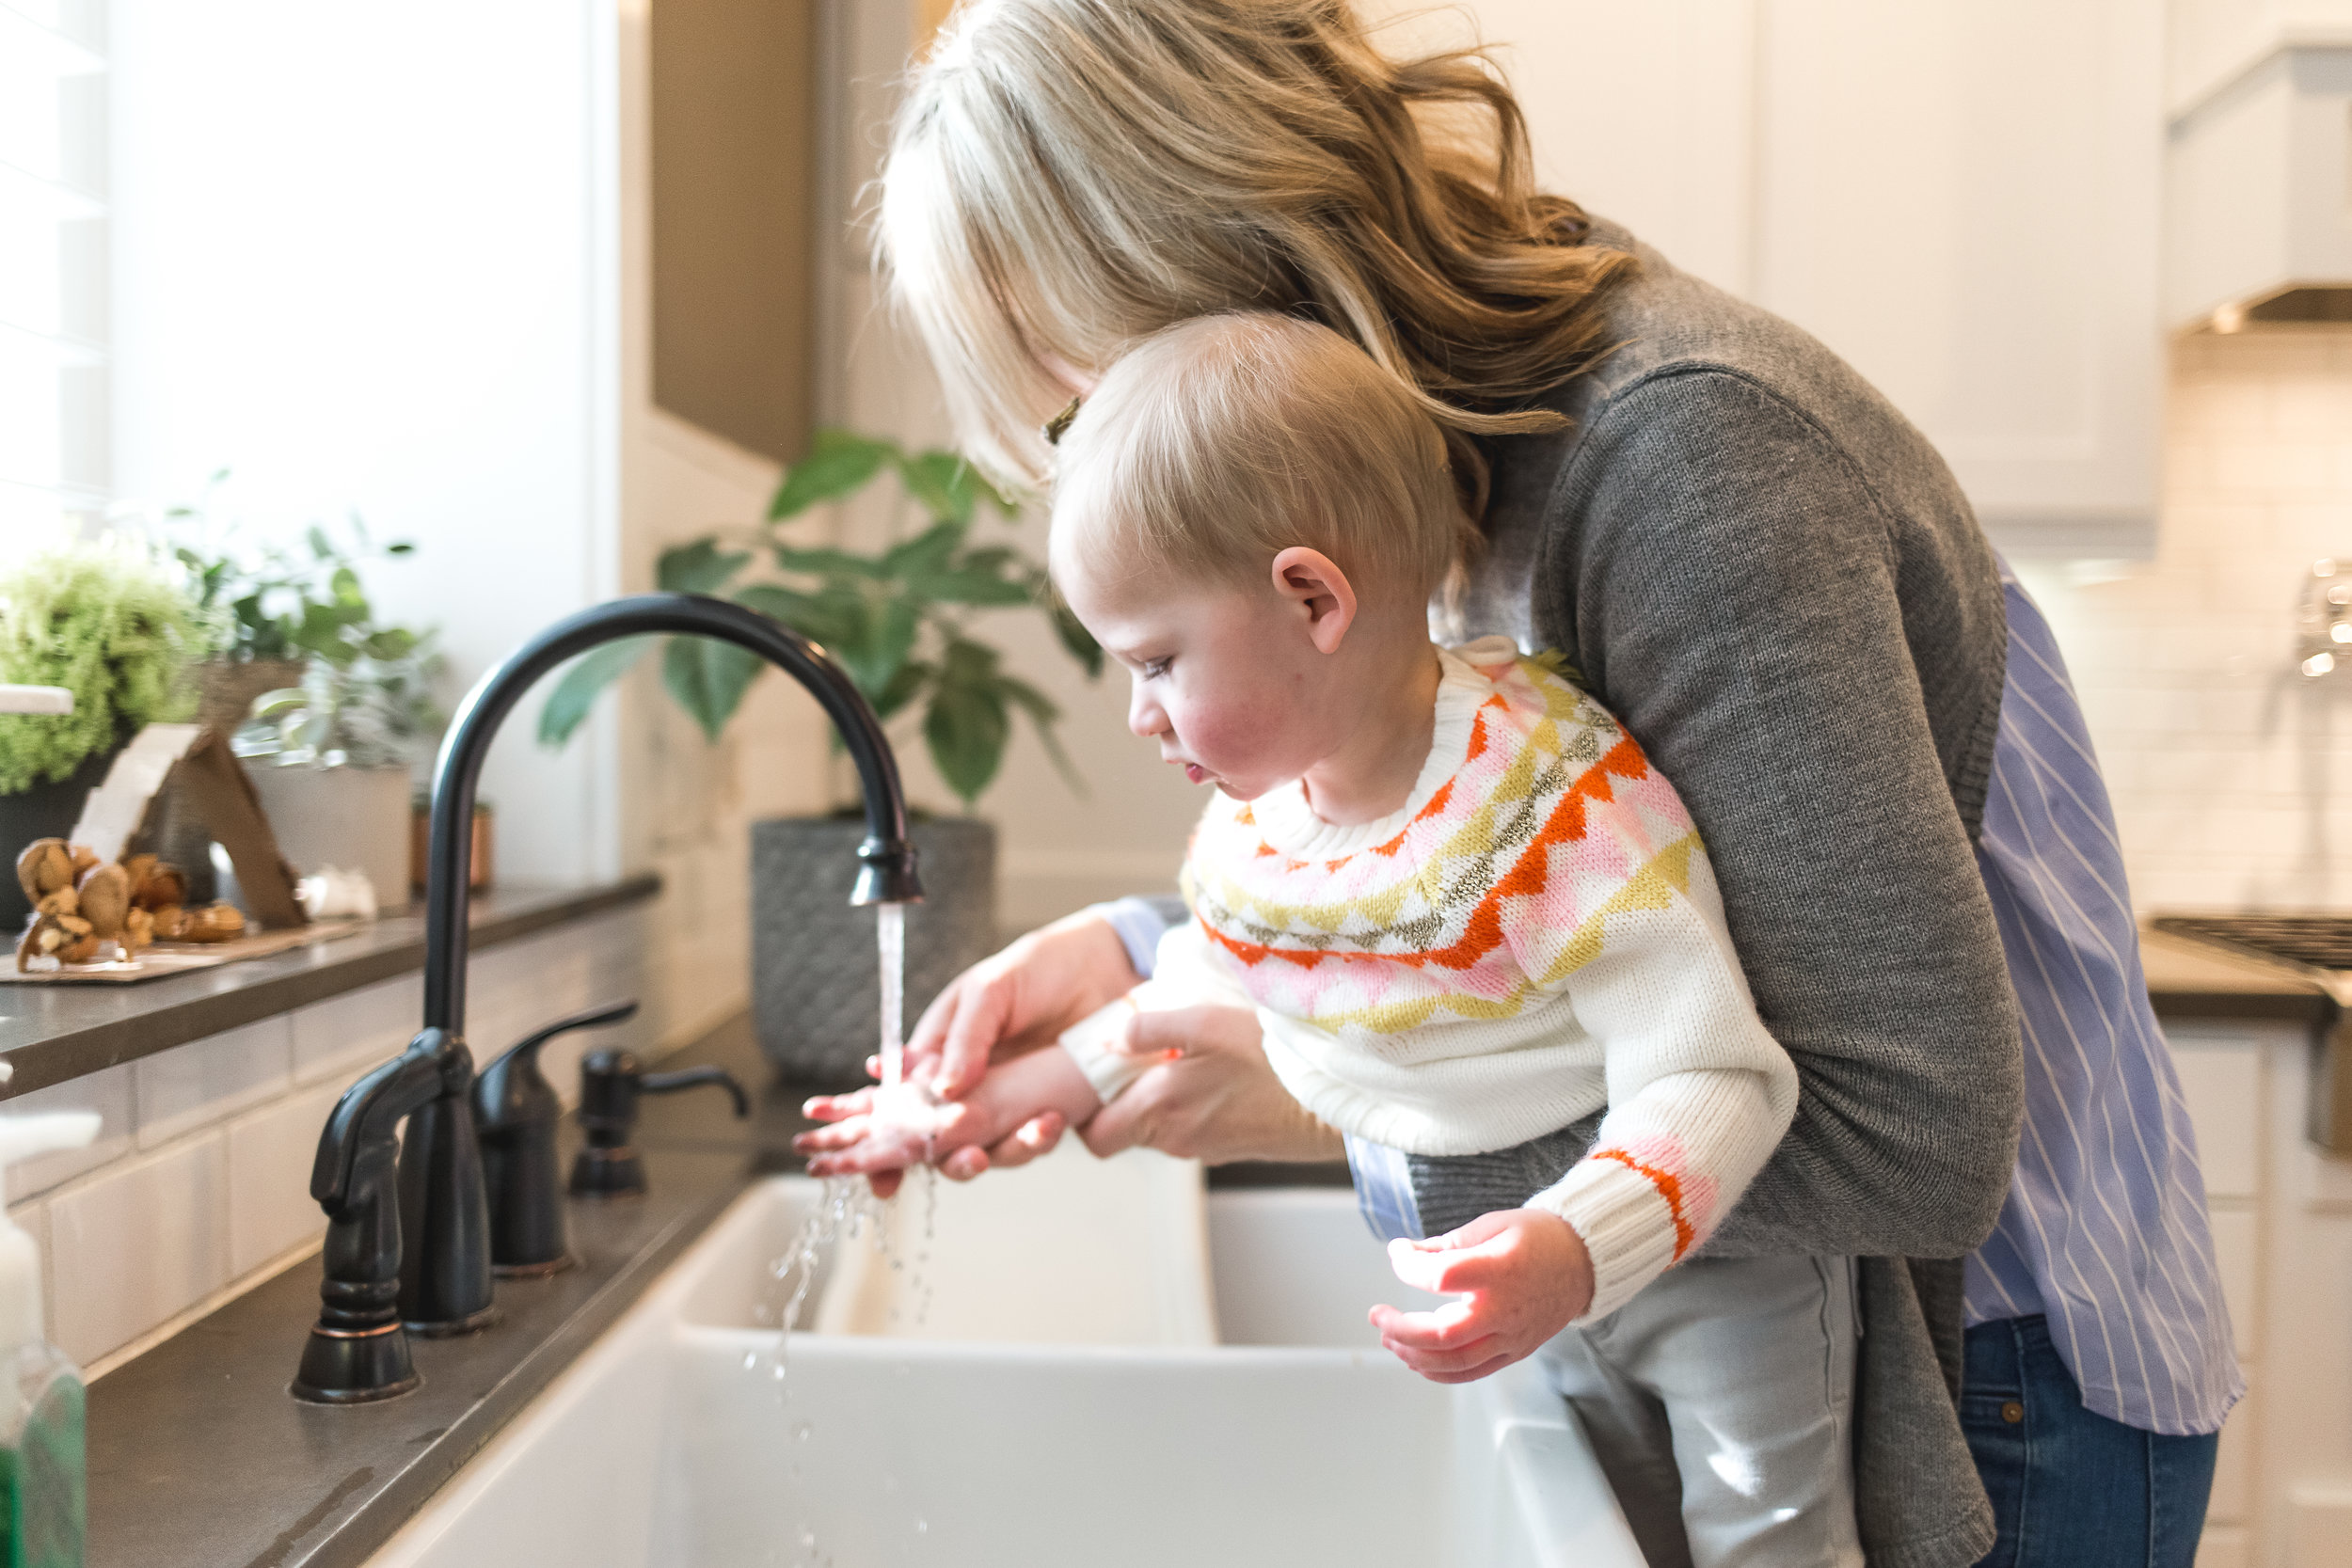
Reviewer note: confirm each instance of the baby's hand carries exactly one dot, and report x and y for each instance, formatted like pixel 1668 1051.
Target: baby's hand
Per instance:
pixel 1521 1274
pixel 888 1130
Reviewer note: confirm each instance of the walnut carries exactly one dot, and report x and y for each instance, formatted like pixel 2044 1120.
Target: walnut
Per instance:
pixel 156 883
pixel 43 938
pixel 106 896
pixel 84 858
pixel 138 931
pixel 64 901
pixel 45 867
pixel 170 923
pixel 222 921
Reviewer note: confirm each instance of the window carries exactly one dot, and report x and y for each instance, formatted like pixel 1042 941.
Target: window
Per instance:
pixel 53 266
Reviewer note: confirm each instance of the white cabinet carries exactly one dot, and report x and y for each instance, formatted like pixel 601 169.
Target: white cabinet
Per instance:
pixel 1961 196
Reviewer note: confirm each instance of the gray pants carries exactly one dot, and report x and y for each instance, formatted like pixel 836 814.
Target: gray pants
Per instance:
pixel 1720 1402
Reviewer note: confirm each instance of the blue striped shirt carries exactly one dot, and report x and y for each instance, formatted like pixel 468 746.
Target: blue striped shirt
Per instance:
pixel 2105 1230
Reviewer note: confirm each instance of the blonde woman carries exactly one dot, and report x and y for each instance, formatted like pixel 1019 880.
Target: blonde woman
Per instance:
pixel 1774 582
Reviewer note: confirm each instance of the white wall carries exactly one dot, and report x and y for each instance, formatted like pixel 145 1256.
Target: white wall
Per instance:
pixel 2231 774
pixel 363 257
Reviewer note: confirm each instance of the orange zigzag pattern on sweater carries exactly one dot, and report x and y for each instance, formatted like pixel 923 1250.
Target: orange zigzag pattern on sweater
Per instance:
pixel 1526 878
pixel 1669 1187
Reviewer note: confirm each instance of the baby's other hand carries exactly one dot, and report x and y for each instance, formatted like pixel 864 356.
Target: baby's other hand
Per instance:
pixel 1521 1276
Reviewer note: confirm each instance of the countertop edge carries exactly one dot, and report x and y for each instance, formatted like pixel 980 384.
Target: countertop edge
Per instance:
pixel 304 976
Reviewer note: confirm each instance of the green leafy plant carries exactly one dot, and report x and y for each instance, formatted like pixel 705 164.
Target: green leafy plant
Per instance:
pixel 108 620
pixel 270 602
pixel 364 711
pixel 898 620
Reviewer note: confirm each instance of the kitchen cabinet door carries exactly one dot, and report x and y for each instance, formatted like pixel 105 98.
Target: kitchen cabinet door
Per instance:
pixel 1961 196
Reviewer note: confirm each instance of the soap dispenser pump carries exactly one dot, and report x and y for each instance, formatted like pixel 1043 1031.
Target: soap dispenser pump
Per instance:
pixel 42 1484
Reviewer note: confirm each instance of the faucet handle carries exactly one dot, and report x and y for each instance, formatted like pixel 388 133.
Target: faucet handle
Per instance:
pixel 516 1112
pixel 609 1085
pixel 357 1350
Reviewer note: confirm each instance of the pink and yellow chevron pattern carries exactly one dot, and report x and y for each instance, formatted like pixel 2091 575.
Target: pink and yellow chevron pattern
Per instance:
pixel 1494 890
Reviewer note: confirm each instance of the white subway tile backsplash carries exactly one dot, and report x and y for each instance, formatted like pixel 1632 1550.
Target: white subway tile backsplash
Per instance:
pixel 271 1152
pixel 344 1036
pixel 138 1244
pixel 109 1093
pixel 2231 779
pixel 210 1079
pixel 33 1219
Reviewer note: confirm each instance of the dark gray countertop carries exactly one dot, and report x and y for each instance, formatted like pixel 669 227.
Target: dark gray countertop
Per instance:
pixel 198 1458
pixel 2191 979
pixel 49 1033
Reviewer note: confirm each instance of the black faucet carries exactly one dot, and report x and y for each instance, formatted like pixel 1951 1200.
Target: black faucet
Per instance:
pixel 433 1235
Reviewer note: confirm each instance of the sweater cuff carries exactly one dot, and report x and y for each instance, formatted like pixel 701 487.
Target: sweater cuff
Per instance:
pixel 1629 1227
pixel 1088 1043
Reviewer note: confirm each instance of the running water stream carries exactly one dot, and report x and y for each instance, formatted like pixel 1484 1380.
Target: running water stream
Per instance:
pixel 848 1207
pixel 890 936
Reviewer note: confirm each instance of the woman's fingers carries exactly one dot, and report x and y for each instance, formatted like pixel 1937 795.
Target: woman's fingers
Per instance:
pixel 964 1164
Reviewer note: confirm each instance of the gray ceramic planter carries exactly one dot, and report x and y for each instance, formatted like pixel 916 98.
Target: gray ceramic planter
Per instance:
pixel 815 987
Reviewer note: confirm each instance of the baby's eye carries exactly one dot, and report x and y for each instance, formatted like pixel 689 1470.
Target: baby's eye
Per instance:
pixel 1155 668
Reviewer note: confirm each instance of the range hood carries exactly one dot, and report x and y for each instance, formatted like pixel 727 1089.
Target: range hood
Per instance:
pixel 2259 199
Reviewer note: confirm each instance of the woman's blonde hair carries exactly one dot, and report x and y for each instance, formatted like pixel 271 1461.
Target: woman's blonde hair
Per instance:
pixel 1068 175
pixel 1214 445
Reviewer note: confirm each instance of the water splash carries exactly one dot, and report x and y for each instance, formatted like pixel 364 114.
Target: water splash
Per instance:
pixel 890 936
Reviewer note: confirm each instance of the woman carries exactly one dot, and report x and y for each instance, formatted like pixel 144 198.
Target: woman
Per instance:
pixel 1775 582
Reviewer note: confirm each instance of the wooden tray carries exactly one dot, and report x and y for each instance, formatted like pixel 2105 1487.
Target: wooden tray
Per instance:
pixel 178 958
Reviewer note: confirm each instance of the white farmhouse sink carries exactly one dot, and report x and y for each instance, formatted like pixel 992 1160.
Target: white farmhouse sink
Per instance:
pixel 1294 1441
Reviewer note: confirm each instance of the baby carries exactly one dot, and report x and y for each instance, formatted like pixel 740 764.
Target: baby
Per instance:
pixel 1466 908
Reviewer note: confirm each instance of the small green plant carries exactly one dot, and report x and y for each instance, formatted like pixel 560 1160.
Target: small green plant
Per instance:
pixel 364 711
pixel 271 602
pixel 898 620
pixel 108 620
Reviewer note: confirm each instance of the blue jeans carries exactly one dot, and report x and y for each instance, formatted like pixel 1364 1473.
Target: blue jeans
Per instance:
pixel 2071 1488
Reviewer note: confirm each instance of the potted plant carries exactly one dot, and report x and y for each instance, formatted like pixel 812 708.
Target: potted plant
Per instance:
pixel 112 622
pixel 330 758
pixel 272 608
pixel 902 622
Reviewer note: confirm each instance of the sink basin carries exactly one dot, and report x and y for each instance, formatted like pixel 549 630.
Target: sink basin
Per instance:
pixel 1290 1439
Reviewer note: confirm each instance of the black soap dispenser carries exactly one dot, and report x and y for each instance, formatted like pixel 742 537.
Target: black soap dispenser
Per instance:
pixel 515 1114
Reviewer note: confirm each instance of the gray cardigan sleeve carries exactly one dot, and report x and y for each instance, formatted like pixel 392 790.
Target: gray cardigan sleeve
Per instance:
pixel 1733 587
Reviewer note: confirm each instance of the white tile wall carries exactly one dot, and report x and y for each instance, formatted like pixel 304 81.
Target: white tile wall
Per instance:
pixel 2232 775
pixel 142 1240
pixel 200 1176
pixel 208 1080
pixel 109 1093
pixel 342 1037
pixel 271 1152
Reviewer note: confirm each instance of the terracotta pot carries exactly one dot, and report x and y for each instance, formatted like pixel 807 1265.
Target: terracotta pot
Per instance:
pixel 421 841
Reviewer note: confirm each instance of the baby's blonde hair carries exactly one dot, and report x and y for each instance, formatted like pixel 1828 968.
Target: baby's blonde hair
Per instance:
pixel 1217 443
pixel 1068 175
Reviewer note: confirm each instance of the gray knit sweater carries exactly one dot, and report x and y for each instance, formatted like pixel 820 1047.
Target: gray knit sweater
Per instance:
pixel 1773 579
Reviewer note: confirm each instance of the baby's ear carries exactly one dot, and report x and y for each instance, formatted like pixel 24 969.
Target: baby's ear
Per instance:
pixel 1313 582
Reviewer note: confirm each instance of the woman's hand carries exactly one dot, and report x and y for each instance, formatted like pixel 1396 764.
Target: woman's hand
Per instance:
pixel 1003 1006
pixel 1018 1000
pixel 1522 1276
pixel 1210 1095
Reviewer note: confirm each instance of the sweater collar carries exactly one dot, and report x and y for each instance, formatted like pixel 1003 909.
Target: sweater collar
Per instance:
pixel 1290 825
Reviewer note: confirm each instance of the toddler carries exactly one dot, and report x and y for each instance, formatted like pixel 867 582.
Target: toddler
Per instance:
pixel 1467 910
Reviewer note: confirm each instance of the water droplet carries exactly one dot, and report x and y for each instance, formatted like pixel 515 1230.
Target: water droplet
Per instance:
pixel 922 1525
pixel 751 1359
pixel 802 1432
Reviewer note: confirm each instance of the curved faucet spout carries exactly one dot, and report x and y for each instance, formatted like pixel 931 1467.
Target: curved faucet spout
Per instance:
pixel 888 874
